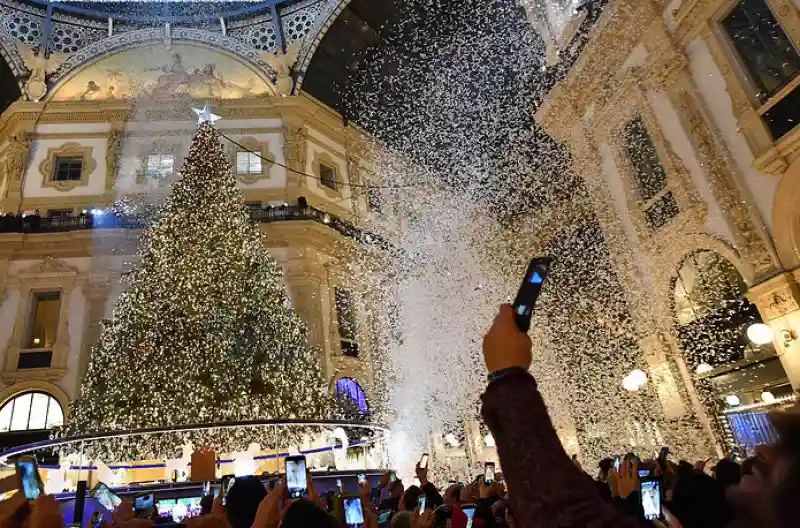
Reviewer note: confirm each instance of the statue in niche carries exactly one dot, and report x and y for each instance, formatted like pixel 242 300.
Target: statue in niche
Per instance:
pixel 283 63
pixel 39 66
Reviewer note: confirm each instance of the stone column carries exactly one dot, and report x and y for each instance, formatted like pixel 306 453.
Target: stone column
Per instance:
pixel 778 301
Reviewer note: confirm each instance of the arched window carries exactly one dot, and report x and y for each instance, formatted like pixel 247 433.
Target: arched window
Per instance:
pixel 350 395
pixel 706 282
pixel 30 411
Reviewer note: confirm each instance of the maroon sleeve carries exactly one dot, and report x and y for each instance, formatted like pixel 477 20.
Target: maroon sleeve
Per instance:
pixel 544 487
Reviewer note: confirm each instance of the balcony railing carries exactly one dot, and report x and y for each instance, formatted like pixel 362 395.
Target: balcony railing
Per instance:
pixel 109 220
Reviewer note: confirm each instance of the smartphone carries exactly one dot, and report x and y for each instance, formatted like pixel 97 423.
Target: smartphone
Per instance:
pixel 295 476
pixel 664 453
pixel 421 502
pixel 423 462
pixel 392 476
pixel 469 511
pixel 107 498
pixel 617 463
pixel 227 483
pixel 644 473
pixel 362 479
pixel 339 485
pixel 97 519
pixel 206 488
pixel 383 516
pixel 215 488
pixel 529 291
pixel 143 504
pixel 30 483
pixel 353 514
pixel 488 472
pixel 650 492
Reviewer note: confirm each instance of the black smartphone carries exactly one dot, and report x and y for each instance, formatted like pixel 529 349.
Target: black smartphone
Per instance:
pixel 529 291
pixel 617 462
pixel 107 498
pixel 650 493
pixel 226 485
pixel 29 481
pixel 143 504
pixel 295 476
pixel 488 472
pixel 423 462
pixel 664 453
pixel 97 519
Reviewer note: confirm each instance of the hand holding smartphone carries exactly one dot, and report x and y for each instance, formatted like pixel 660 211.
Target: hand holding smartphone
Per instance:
pixel 296 476
pixel 30 483
pixel 529 291
pixel 650 493
pixel 488 472
pixel 107 498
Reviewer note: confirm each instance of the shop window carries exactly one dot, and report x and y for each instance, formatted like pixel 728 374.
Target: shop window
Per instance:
pixel 649 175
pixel 31 411
pixel 345 313
pixel 327 176
pixel 248 163
pixel 67 168
pixel 767 53
pixel 45 311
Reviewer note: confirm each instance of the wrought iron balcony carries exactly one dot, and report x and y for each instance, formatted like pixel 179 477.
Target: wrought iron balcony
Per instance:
pixel 34 224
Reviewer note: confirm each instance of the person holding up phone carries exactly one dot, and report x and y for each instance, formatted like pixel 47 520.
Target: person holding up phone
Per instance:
pixel 543 482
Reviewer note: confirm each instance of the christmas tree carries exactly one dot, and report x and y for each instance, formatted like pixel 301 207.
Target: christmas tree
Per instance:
pixel 204 332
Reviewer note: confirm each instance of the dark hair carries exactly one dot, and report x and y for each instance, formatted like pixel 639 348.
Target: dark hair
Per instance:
pixel 698 501
pixel 304 513
pixel 411 497
pixel 242 501
pixel 206 504
pixel 728 472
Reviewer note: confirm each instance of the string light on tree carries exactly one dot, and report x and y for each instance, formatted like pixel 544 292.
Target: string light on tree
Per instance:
pixel 204 332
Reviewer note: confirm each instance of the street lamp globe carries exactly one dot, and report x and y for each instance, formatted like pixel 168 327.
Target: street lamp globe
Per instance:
pixel 759 333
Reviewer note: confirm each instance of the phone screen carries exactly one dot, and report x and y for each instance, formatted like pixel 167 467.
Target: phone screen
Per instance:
pixel 421 501
pixel 488 473
pixel 392 476
pixel 30 483
pixel 225 487
pixel 529 291
pixel 644 473
pixel 362 478
pixel 617 463
pixel 339 485
pixel 469 511
pixel 651 499
pixel 107 498
pixel 296 476
pixel 353 514
pixel 144 503
pixel 423 462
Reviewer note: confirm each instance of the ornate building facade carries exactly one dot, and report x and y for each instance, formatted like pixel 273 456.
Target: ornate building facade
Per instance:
pixel 102 117
pixel 681 119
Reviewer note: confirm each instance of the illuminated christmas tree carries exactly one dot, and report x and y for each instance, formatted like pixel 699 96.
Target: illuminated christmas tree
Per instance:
pixel 204 332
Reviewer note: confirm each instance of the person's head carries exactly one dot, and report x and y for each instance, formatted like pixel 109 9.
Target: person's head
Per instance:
pixel 452 495
pixel 410 498
pixel 403 519
pixel 605 466
pixel 727 472
pixel 769 496
pixel 242 501
pixel 206 503
pixel 698 501
pixel 396 489
pixel 304 513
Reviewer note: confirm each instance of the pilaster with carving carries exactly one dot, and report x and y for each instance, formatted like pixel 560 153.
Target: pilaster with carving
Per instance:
pixel 309 287
pixel 295 152
pixel 113 151
pixel 16 160
pixel 721 174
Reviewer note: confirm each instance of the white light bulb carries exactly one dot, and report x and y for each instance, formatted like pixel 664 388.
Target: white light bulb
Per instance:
pixel 767 397
pixel 732 400
pixel 702 368
pixel 759 333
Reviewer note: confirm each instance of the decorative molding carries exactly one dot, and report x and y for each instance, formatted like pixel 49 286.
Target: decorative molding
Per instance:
pixel 113 152
pixel 73 150
pixel 48 266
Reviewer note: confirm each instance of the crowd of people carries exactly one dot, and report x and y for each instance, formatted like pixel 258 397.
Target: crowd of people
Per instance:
pixel 541 485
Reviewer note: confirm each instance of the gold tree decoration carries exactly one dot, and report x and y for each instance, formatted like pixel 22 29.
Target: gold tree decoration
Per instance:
pixel 204 332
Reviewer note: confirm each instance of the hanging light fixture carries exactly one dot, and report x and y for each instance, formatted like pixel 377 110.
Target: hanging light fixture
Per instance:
pixel 703 368
pixel 760 334
pixel 732 400
pixel 767 397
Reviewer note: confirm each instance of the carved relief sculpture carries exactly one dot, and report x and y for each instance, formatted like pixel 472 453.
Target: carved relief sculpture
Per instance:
pixel 18 151
pixel 282 64
pixel 39 66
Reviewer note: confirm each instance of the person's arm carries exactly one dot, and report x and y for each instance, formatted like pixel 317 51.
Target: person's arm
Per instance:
pixel 432 496
pixel 543 482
